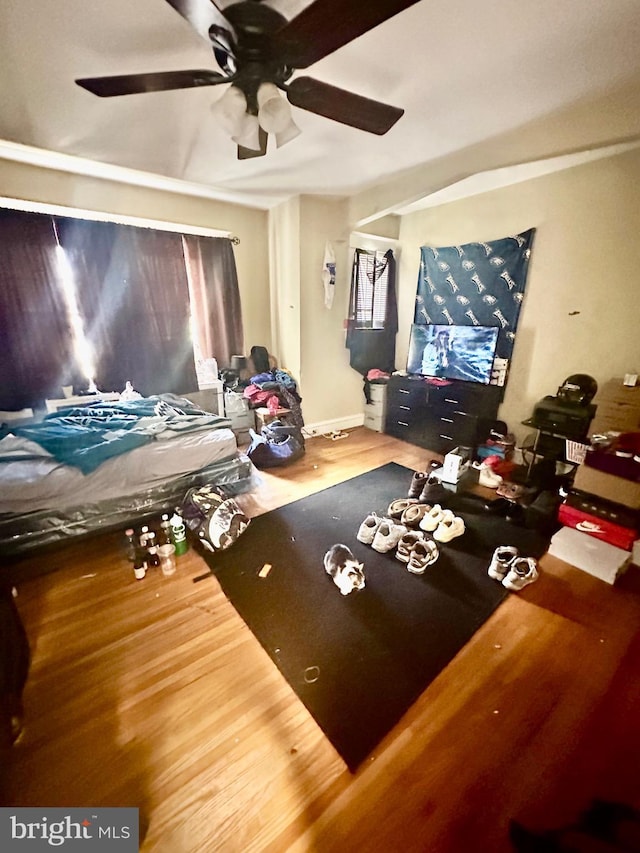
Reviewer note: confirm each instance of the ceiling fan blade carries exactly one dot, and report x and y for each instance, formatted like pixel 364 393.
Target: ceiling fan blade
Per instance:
pixel 134 84
pixel 247 153
pixel 326 25
pixel 340 105
pixel 201 14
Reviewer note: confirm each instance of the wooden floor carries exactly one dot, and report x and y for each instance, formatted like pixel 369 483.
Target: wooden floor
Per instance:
pixel 154 694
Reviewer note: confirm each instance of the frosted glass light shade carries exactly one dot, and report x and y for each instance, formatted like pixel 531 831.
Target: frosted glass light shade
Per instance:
pixel 248 135
pixel 274 111
pixel 288 133
pixel 230 110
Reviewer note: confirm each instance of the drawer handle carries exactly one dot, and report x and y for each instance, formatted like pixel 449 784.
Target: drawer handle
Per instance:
pixel 403 391
pixel 447 420
pixel 449 400
pixel 405 408
pixel 448 437
pixel 402 423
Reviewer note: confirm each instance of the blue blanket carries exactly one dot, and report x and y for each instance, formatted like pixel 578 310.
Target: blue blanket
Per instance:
pixel 85 436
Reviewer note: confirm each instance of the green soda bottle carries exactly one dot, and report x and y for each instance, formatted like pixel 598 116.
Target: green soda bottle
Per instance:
pixel 179 533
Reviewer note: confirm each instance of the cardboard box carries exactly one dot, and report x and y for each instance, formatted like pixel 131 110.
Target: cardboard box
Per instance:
pixel 618 408
pixel 607 486
pixel 455 464
pixel 599 559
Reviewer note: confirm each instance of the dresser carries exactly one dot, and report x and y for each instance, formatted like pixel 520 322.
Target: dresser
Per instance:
pixel 440 418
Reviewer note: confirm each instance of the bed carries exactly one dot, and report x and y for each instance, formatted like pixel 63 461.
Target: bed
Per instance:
pixel 105 464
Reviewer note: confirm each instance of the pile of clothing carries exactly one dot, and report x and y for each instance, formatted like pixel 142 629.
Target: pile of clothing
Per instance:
pixel 275 389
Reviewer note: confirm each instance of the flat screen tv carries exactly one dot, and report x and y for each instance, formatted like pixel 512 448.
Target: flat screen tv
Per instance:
pixel 452 352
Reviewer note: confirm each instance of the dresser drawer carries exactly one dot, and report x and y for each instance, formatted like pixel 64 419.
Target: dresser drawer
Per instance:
pixel 411 430
pixel 374 422
pixel 438 441
pixel 466 397
pixel 378 392
pixel 460 427
pixel 403 389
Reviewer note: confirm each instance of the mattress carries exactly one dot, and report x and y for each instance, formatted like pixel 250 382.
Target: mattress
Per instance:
pixel 34 480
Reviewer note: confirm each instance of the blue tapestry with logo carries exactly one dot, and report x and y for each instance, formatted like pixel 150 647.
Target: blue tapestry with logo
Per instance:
pixel 475 284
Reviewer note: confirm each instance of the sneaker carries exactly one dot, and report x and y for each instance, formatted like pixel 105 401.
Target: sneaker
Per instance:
pixel 397 507
pixel 433 517
pixel 387 536
pixel 449 528
pixel 368 528
pixel 487 476
pixel 406 543
pixel 433 491
pixel 522 572
pixel 511 491
pixel 502 558
pixel 423 554
pixel 413 515
pixel 418 481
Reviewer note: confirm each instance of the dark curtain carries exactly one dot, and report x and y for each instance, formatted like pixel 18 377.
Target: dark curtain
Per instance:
pixel 213 282
pixel 373 348
pixel 133 295
pixel 34 328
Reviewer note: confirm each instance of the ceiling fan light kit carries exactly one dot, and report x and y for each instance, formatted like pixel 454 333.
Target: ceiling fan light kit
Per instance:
pixel 259 51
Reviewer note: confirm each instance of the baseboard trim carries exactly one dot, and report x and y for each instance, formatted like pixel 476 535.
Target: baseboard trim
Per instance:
pixel 335 425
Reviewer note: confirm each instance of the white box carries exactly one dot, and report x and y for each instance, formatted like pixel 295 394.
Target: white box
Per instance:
pixel 455 464
pixel 597 558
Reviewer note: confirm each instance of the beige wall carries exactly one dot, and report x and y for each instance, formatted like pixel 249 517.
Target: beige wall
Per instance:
pixel 32 183
pixel 581 312
pixel 284 267
pixel 330 388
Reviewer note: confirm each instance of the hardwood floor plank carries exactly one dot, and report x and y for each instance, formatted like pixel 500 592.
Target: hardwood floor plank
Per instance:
pixel 155 694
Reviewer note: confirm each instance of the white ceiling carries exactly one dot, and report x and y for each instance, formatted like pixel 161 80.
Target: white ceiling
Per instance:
pixel 466 72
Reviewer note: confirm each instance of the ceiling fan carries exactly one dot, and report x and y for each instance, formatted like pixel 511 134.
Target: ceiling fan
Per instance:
pixel 258 51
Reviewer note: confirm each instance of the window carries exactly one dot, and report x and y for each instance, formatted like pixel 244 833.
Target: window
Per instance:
pixel 369 289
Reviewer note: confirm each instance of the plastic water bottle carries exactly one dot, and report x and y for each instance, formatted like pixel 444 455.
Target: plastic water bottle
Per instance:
pixel 179 533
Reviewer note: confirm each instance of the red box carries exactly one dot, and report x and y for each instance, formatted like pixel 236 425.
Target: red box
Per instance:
pixel 599 528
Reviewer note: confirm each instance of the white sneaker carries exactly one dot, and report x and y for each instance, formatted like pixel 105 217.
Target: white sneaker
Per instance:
pixel 501 561
pixel 432 519
pixel 368 528
pixel 522 572
pixel 489 478
pixel 449 528
pixel 387 536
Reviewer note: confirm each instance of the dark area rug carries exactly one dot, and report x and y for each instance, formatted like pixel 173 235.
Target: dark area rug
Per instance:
pixel 359 661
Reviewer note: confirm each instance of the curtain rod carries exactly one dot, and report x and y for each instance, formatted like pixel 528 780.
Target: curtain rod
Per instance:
pixel 122 219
